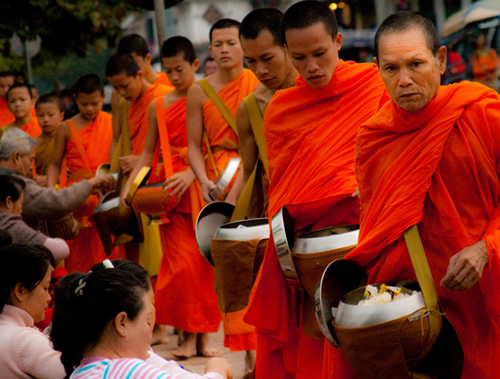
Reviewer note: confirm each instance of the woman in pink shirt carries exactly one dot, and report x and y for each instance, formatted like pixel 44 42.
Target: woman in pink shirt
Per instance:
pixel 25 352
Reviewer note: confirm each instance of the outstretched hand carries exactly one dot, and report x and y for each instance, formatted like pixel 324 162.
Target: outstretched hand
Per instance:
pixel 466 267
pixel 179 182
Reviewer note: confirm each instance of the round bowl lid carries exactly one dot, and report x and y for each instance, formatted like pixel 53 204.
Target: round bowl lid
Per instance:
pixel 326 239
pixel 255 228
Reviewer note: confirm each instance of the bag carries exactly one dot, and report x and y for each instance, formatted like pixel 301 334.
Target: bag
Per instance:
pixel 66 227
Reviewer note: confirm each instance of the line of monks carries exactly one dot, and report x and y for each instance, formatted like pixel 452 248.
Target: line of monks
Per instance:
pixel 378 144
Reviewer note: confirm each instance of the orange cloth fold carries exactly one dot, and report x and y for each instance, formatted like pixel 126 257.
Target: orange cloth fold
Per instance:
pixel 310 137
pixel 438 167
pixel 163 80
pixel 138 116
pixel 6 117
pixel 185 295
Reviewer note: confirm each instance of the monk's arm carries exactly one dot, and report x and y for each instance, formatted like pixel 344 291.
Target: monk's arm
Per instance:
pixel 194 115
pixel 147 155
pixel 54 169
pixel 116 121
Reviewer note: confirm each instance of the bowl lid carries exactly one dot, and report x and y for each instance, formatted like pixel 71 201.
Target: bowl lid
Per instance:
pixel 255 228
pixel 330 238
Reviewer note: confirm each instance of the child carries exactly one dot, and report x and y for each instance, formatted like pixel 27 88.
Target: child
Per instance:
pixel 84 140
pixel 50 113
pixel 20 103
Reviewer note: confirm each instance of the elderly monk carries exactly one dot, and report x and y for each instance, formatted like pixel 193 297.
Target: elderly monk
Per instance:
pixel 431 157
pixel 310 131
pixel 232 83
pixel 6 81
pixel 137 47
pixel 184 293
pixel 264 52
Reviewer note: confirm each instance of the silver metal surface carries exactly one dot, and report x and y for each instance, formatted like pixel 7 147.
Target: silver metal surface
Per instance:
pixel 336 237
pixel 109 201
pixel 282 228
pixel 254 228
pixel 225 178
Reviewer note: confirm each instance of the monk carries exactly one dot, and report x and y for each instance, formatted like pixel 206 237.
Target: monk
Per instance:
pixel 430 158
pixel 84 141
pixel 264 52
pixel 232 83
pixel 50 114
pixel 20 103
pixel 6 81
pixel 184 293
pixel 137 47
pixel 310 131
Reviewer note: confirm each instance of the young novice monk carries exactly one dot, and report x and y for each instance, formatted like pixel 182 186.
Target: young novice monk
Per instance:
pixel 50 113
pixel 84 140
pixel 185 296
pixel 20 102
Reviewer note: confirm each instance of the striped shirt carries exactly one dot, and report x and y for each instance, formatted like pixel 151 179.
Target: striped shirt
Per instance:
pixel 127 368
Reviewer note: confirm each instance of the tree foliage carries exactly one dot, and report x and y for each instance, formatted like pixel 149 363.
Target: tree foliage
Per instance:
pixel 65 26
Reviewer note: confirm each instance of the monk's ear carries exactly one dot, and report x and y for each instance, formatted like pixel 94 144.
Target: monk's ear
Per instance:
pixel 375 60
pixel 147 58
pixel 196 64
pixel 441 57
pixel 140 74
pixel 338 41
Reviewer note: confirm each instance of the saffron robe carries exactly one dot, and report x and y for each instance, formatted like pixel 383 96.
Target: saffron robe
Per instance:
pixel 6 117
pixel 222 139
pixel 138 116
pixel 163 79
pixel 32 128
pixel 86 249
pixel 438 168
pixel 310 137
pixel 185 296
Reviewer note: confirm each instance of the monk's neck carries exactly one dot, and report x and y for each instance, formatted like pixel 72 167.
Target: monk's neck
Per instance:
pixel 289 80
pixel 226 76
pixel 81 122
pixel 145 85
pixel 150 75
pixel 22 121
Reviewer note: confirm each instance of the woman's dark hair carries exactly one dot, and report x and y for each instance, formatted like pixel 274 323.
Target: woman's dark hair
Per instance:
pixel 5 238
pixel 21 264
pixel 11 185
pixel 133 268
pixel 86 304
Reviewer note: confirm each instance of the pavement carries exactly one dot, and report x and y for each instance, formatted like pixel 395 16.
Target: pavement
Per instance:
pixel 197 364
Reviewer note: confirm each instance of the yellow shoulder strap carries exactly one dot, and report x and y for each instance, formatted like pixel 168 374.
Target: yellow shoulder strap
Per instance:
pixel 257 123
pixel 212 95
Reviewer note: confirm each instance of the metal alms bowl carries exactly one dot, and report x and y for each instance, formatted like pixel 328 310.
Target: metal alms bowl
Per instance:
pixel 211 217
pixel 282 228
pixel 254 228
pixel 331 238
pixel 225 178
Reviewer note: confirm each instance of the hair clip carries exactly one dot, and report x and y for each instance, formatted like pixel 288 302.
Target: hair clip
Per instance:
pixel 107 263
pixel 81 283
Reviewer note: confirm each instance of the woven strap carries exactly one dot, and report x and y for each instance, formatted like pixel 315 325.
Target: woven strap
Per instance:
pixel 164 141
pixel 79 145
pixel 257 123
pixel 225 112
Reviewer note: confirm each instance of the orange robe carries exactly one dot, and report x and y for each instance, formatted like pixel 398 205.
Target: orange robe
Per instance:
pixel 86 249
pixel 6 117
pixel 238 335
pixel 138 116
pixel 185 296
pixel 32 128
pixel 310 137
pixel 440 168
pixel 163 79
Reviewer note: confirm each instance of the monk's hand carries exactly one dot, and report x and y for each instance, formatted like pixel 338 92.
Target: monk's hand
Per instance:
pixel 206 187
pixel 466 267
pixel 179 182
pixel 128 163
pixel 355 193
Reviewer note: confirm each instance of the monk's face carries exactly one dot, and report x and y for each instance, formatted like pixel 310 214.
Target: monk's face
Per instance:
pixel 226 48
pixel 89 104
pixel 5 83
pixel 49 117
pixel 267 60
pixel 20 102
pixel 179 71
pixel 127 86
pixel 314 54
pixel 411 72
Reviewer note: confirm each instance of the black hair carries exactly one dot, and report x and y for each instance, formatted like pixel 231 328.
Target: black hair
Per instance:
pixel 133 268
pixel 177 44
pixel 224 23
pixel 121 63
pixel 304 14
pixel 401 21
pixel 19 85
pixel 88 84
pixel 5 238
pixel 11 185
pixel 50 98
pixel 21 264
pixel 86 304
pixel 133 43
pixel 262 19
pixel 6 74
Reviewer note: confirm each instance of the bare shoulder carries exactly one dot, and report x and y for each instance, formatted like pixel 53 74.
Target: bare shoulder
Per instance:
pixel 170 98
pixel 196 95
pixel 63 130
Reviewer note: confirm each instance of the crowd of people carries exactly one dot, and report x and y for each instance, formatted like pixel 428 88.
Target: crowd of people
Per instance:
pixel 330 142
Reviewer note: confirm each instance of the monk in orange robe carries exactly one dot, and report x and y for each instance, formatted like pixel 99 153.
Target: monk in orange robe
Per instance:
pixel 232 83
pixel 84 141
pixel 20 103
pixel 6 81
pixel 430 157
pixel 185 297
pixel 310 131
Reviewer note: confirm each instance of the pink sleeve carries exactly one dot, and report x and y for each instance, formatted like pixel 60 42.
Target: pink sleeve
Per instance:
pixel 58 247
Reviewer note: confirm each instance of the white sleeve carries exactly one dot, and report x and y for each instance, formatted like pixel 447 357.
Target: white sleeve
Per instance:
pixel 58 247
pixel 173 368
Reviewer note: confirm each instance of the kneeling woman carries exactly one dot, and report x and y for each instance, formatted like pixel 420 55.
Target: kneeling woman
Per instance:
pixel 103 323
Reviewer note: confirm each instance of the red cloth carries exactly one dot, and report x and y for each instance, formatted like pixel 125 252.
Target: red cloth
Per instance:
pixel 310 137
pixel 6 117
pixel 86 249
pixel 138 116
pixel 440 168
pixel 32 128
pixel 185 295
